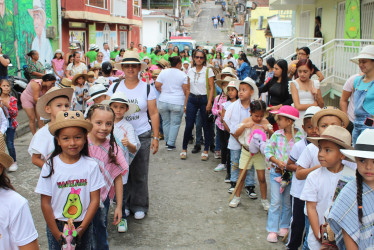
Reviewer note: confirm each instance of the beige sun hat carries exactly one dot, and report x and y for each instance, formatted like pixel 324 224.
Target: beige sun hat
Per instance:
pixel 366 53
pixel 59 51
pixel 77 76
pixel 163 63
pixel 73 46
pixel 364 147
pixel 122 98
pixel 131 57
pixel 96 66
pixel 227 79
pixel 47 97
pixel 90 74
pixel 65 83
pixel 5 160
pixel 37 7
pixel 234 84
pixel 226 71
pixel 251 83
pixel 66 119
pixel 332 111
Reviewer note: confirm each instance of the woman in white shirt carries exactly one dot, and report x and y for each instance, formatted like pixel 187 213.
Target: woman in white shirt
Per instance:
pixel 218 61
pixel 199 96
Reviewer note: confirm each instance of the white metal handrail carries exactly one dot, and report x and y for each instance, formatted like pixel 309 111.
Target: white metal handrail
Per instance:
pixel 316 44
pixel 265 55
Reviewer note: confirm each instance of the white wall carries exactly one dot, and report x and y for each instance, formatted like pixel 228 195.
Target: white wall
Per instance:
pixel 152 35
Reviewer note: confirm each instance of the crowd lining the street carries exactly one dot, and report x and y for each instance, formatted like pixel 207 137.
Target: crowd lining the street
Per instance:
pixel 106 118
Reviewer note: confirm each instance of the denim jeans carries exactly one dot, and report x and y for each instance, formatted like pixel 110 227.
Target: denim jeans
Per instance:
pixel 280 206
pixel 10 133
pixel 195 103
pixel 250 179
pixel 100 223
pixel 85 242
pixel 199 131
pixel 161 127
pixel 307 225
pixel 171 120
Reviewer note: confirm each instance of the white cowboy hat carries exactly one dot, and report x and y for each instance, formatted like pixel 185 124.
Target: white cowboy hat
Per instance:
pixel 233 84
pixel 131 57
pixel 226 71
pixel 251 83
pixel 103 80
pixel 37 7
pixel 73 46
pixel 311 111
pixel 121 98
pixel 366 53
pixel 92 46
pixel 59 51
pixel 96 91
pixel 364 147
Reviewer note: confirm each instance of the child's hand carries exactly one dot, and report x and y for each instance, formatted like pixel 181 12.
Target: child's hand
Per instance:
pixel 117 216
pixel 125 141
pixel 281 164
pixel 58 236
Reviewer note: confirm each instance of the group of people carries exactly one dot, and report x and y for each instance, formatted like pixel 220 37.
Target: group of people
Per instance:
pixel 218 20
pixel 103 127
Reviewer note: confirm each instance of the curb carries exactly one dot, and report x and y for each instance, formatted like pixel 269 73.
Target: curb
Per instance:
pixel 22 129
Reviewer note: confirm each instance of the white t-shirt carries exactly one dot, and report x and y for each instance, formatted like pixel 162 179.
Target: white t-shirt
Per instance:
pixel 171 90
pixel 42 143
pixel 106 55
pixel 215 21
pixel 16 224
pixel 309 157
pixel 349 87
pixel 138 95
pixel 70 186
pixel 297 185
pixel 198 80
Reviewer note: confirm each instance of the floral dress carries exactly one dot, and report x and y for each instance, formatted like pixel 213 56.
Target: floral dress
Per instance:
pixel 35 67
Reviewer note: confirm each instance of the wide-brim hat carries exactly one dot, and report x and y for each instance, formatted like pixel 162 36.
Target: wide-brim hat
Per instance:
pixel 226 80
pixel 96 66
pixel 92 46
pixel 131 57
pixel 59 51
pixel 37 7
pixel 163 63
pixel 5 160
pixel 251 83
pixel 330 110
pixel 156 72
pixel 66 119
pixel 90 74
pixel 77 76
pixel 364 147
pixel 311 111
pixel 47 97
pixel 226 71
pixel 73 46
pixel 65 83
pixel 96 91
pixel 233 84
pixel 121 98
pixel 366 53
pixel 287 111
pixel 145 58
pixel 335 134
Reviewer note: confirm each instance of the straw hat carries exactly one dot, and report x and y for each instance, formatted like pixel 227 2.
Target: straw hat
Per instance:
pixel 163 63
pixel 47 97
pixel 287 111
pixel 234 84
pixel 226 71
pixel 77 76
pixel 96 91
pixel 73 46
pixel 37 7
pixel 65 83
pixel 65 119
pixel 330 110
pixel 364 147
pixel 251 83
pixel 90 74
pixel 5 160
pixel 59 51
pixel 366 53
pixel 96 66
pixel 131 57
pixel 335 134
pixel 226 80
pixel 121 98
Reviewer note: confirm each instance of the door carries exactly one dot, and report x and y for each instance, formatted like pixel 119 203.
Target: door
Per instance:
pixel 304 24
pixel 123 39
pixel 367 22
pixel 340 22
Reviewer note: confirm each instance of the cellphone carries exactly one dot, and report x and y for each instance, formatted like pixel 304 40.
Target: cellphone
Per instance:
pixel 369 122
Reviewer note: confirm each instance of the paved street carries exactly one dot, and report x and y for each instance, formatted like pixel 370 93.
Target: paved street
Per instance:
pixel 188 206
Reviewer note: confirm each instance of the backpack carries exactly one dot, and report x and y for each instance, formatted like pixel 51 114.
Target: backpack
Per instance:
pixel 118 81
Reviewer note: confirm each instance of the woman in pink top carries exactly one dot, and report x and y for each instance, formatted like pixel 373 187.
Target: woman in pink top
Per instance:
pixel 58 64
pixel 35 89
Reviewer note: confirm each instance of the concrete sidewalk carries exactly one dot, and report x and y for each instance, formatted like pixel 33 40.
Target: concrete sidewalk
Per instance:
pixel 23 123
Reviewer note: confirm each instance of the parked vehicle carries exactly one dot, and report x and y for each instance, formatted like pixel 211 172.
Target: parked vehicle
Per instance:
pixel 181 42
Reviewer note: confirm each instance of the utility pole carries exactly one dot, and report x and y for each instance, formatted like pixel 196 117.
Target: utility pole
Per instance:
pixel 149 4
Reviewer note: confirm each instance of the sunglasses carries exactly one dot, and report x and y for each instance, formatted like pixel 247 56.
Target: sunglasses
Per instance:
pixel 127 66
pixel 199 57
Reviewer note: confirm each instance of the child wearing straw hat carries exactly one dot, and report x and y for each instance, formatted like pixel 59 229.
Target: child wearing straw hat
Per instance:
pixel 80 92
pixel 17 226
pixel 55 100
pixel 351 216
pixel 322 184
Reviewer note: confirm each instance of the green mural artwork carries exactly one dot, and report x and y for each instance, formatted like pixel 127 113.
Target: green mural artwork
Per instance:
pixel 352 21
pixel 23 26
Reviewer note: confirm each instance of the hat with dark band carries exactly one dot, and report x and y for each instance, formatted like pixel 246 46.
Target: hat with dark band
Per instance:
pixel 131 57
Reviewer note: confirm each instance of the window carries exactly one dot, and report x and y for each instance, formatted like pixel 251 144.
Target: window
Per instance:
pixel 260 23
pixel 97 3
pixel 367 24
pixel 137 6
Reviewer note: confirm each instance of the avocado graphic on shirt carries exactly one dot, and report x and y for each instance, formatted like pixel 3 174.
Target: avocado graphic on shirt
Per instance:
pixel 73 205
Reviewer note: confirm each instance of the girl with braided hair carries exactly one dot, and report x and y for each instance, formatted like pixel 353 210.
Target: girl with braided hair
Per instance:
pixel 351 216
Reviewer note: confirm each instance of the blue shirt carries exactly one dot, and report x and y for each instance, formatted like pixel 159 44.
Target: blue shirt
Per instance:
pixel 369 99
pixel 243 71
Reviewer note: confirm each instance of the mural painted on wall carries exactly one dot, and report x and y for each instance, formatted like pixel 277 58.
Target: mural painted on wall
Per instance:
pixel 23 26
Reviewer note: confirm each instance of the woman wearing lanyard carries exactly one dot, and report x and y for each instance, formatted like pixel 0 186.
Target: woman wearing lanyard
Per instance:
pixel 363 96
pixel 199 95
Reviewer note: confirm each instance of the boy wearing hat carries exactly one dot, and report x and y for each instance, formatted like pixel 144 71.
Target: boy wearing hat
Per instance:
pixel 126 138
pixel 80 92
pixel 42 144
pixel 321 185
pixel 91 54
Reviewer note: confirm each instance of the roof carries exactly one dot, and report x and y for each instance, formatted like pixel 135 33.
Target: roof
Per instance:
pixel 280 28
pixel 157 13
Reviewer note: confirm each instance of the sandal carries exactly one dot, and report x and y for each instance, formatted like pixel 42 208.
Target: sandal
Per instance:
pixel 183 155
pixel 204 156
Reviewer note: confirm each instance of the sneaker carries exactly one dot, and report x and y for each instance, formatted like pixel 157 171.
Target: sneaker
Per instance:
pixel 217 154
pixel 13 167
pixel 166 145
pixel 139 215
pixel 231 189
pixel 171 148
pixel 196 149
pixel 234 202
pixel 272 237
pixel 122 226
pixel 227 178
pixel 127 212
pixel 265 204
pixel 220 167
pixel 250 190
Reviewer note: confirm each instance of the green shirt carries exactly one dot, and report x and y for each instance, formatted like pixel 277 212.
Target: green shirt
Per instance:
pixel 8 36
pixel 91 55
pixel 155 59
pixel 236 56
pixel 208 57
pixel 166 57
pixel 142 55
pixel 185 59
pixel 113 54
pixel 174 54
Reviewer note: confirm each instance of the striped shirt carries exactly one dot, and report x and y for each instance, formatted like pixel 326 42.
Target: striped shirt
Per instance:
pixel 110 171
pixel 344 215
